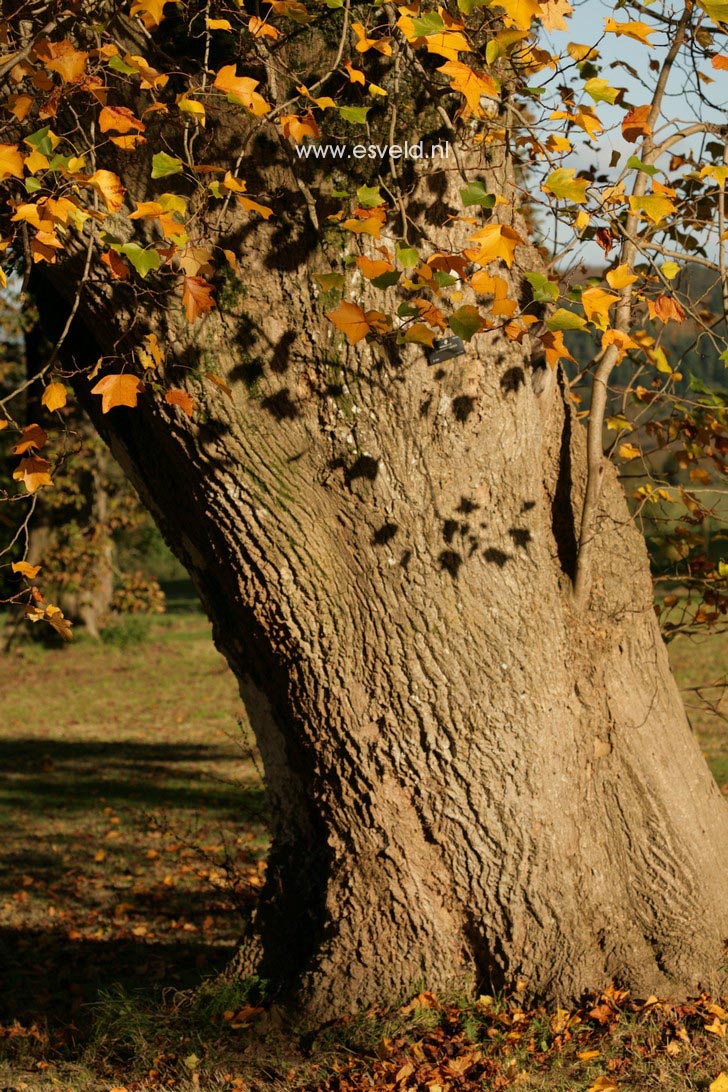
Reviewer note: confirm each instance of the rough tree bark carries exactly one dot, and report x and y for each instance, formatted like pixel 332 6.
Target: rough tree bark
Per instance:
pixel 468 779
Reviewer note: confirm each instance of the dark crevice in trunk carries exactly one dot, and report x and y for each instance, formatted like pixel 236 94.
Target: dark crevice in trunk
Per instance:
pixel 562 512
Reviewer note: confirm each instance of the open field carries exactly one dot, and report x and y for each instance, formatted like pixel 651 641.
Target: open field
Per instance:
pixel 133 845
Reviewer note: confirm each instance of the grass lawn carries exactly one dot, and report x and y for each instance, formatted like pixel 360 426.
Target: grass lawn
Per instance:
pixel 132 846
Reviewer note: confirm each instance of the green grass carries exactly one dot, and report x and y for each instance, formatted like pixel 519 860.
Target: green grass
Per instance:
pixel 132 847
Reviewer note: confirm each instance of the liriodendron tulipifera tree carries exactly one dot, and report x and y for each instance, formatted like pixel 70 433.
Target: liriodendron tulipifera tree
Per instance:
pixel 425 575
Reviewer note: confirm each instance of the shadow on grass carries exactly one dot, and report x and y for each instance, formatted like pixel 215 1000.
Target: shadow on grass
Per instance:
pixel 53 981
pixel 72 776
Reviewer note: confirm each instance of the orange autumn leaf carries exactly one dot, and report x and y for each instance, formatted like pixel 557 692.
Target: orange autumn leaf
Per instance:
pixel 485 284
pixel 351 320
pixel 19 105
pixel 636 125
pixel 720 62
pixel 241 89
pixel 33 437
pixel 220 383
pixel 298 126
pixel 554 348
pixel 355 74
pixel 498 242
pixel 54 396
pixel 666 309
pixel 34 472
pixel 259 29
pixel 178 397
pixel 116 265
pixel 197 298
pixel 432 315
pixel 120 119
pixel 109 188
pixel 374 267
pixel 117 390
pixel 63 58
pixel 470 84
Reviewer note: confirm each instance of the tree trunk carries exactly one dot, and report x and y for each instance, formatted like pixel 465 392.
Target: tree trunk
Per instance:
pixel 468 780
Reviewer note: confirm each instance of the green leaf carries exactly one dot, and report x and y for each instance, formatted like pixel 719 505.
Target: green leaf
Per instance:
pixel 40 140
pixel 369 197
pixel 636 164
pixel 465 322
pixel 119 66
pixel 543 289
pixel 565 320
pixel 386 280
pixel 144 261
pixel 59 162
pixel 330 282
pixel 429 23
pixel 32 185
pixel 467 7
pixel 475 193
pixel 406 310
pixel 164 165
pixel 357 115
pixel 443 279
pixel 407 256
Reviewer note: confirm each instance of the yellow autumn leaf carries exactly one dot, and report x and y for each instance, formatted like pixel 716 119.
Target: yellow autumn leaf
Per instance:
pixel 596 303
pixel 219 24
pixel 241 89
pixel 653 207
pixel 620 277
pixel 629 452
pixel 192 107
pixel 448 43
pixel 36 161
pixel 420 334
pixel 562 184
pixel 11 161
pixel 54 396
pixel 496 242
pixel 520 13
pixel 580 53
pixel 34 472
pixel 638 30
pixel 604 1084
pixel 716 9
pixel 720 1084
pixel 26 570
pixel 554 13
pixel 151 10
